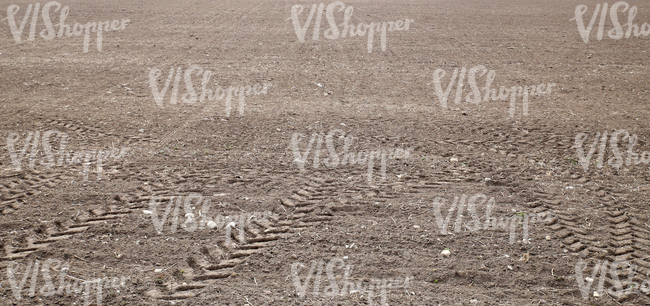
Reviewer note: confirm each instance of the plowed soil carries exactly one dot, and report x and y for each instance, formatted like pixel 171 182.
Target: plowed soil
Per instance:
pixel 386 228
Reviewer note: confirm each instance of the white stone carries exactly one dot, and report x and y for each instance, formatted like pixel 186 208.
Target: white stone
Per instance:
pixel 445 253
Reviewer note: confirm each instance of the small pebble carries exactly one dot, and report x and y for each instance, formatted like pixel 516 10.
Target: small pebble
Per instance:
pixel 445 253
pixel 147 212
pixel 212 224
pixel 294 256
pixel 416 226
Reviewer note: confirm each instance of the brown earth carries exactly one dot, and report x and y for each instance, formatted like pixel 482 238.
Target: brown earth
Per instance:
pixel 386 100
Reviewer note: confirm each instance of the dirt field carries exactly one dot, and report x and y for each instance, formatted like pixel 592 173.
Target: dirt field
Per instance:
pixel 309 167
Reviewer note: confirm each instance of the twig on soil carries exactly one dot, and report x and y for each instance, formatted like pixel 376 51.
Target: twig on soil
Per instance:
pixel 393 220
pixel 256 282
pixel 78 257
pixel 70 276
pixel 165 269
